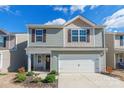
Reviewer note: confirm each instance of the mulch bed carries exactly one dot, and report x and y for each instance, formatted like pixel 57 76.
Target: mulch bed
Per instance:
pixel 29 84
pixel 113 75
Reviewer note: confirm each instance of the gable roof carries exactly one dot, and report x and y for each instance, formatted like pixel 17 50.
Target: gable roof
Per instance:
pixel 81 18
pixel 4 32
pixel 43 26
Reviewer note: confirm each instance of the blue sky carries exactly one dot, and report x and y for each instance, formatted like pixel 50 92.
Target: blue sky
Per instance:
pixel 15 18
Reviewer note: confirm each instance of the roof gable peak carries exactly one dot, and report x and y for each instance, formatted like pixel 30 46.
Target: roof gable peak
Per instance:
pixel 81 18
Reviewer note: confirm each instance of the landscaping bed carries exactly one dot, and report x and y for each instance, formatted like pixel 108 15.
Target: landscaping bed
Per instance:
pixel 3 74
pixel 34 80
pixel 116 74
pixel 29 84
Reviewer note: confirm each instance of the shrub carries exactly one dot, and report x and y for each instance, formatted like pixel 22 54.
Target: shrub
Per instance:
pixel 49 79
pixel 53 72
pixel 20 77
pixel 109 70
pixel 21 70
pixel 30 73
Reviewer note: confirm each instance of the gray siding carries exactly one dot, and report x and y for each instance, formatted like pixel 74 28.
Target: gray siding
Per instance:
pixel 99 38
pixel 110 53
pixel 14 59
pixel 54 37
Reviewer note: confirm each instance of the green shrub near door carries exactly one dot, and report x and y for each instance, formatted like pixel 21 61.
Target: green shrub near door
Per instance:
pixel 49 79
pixel 20 77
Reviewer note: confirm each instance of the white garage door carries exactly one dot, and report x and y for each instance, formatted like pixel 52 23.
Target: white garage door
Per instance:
pixel 79 63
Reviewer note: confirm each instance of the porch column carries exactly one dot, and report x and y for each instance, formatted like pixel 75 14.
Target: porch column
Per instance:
pixel 29 62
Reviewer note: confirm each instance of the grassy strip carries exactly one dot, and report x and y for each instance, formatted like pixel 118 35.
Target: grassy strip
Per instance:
pixel 2 74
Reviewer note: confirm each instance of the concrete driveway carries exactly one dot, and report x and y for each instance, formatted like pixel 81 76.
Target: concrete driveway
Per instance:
pixel 88 80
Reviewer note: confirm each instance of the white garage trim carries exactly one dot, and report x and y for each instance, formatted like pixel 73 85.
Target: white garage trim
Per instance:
pixel 93 59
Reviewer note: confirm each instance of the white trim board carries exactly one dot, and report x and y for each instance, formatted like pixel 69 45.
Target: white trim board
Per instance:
pixel 1 60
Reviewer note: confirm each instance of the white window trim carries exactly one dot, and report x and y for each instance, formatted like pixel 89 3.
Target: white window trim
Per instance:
pixel 74 35
pixel 83 35
pixel 38 35
pixel 79 35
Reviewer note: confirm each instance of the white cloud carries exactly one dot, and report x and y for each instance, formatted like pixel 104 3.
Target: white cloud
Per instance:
pixel 75 8
pixel 93 6
pixel 58 21
pixel 116 20
pixel 4 8
pixel 60 8
pixel 7 8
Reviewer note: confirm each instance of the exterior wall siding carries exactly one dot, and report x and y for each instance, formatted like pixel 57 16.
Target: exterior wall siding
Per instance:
pixel 110 53
pixel 59 37
pixel 19 57
pixel 14 59
pixel 98 42
pixel 99 37
pixel 54 38
pixel 5 60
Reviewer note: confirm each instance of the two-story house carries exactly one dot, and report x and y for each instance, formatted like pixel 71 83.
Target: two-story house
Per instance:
pixel 12 53
pixel 115 45
pixel 76 46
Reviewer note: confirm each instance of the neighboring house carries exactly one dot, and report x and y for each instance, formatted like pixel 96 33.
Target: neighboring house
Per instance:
pixel 76 46
pixel 10 57
pixel 115 45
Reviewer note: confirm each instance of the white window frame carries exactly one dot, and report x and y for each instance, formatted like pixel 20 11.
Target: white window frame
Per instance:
pixel 38 35
pixel 78 35
pixel 83 35
pixel 74 35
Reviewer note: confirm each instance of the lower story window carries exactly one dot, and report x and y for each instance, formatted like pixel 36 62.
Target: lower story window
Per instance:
pixel 39 59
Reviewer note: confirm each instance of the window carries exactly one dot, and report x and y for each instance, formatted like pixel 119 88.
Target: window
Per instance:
pixel 79 35
pixel 39 35
pixel 121 40
pixel 83 35
pixel 39 59
pixel 75 35
pixel 1 41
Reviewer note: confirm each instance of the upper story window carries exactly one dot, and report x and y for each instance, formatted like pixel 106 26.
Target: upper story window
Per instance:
pixel 83 35
pixel 39 35
pixel 2 41
pixel 80 35
pixel 74 35
pixel 121 40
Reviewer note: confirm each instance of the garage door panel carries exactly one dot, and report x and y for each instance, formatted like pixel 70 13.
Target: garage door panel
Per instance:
pixel 78 63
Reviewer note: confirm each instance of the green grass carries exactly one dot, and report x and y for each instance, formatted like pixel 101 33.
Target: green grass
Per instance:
pixel 2 74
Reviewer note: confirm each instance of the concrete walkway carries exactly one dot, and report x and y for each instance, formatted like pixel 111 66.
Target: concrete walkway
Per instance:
pixel 6 81
pixel 88 80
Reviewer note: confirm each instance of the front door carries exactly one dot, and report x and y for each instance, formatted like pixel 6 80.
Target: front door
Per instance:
pixel 39 64
pixel 47 62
